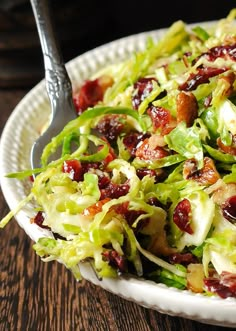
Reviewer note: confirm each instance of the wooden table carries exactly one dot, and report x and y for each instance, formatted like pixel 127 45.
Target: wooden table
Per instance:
pixel 38 296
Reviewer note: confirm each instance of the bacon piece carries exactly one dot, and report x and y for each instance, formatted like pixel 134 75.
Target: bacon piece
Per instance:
pixel 187 108
pixel 208 175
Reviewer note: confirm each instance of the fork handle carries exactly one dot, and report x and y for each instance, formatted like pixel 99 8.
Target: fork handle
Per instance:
pixel 58 83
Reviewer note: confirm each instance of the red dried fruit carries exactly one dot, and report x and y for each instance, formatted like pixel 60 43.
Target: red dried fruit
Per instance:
pixel 229 209
pixel 182 216
pixel 74 168
pixel 116 260
pixel 201 77
pixel 142 88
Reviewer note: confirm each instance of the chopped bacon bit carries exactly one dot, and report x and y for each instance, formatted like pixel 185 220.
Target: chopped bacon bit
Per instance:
pixel 95 208
pixel 91 92
pixel 147 151
pixel 116 260
pixel 142 88
pixel 208 175
pixel 201 77
pixel 182 216
pixel 227 149
pixel 187 108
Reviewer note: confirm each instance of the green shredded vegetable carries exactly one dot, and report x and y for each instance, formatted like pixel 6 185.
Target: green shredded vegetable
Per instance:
pixel 146 181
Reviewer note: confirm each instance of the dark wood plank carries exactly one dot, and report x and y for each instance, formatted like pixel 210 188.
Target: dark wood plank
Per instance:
pixel 44 296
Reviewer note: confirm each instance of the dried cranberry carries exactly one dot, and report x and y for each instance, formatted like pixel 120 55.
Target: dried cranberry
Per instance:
pixel 224 286
pixel 225 51
pixel 160 116
pixel 159 175
pixel 153 201
pixel 39 219
pixel 142 88
pixel 213 285
pixel 145 172
pixel 183 258
pixel 229 209
pixel 116 260
pixel 110 126
pixel 86 166
pixel 130 215
pixel 77 169
pixel 228 279
pixel 90 93
pixel 74 168
pixel 114 191
pixel 182 216
pixel 132 140
pixel 201 77
pixel 103 181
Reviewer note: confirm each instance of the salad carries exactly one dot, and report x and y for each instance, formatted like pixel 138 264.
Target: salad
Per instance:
pixel 146 181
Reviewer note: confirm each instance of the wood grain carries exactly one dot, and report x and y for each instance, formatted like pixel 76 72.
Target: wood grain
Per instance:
pixel 44 296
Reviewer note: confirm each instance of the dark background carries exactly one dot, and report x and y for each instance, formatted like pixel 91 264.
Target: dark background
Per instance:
pixel 83 25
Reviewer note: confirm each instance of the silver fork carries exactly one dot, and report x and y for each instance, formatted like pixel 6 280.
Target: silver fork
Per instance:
pixel 58 83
